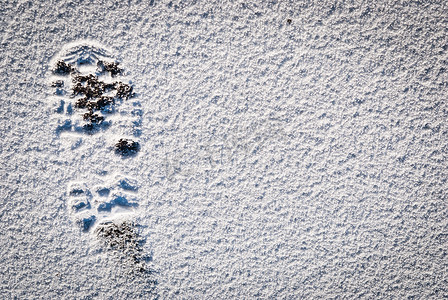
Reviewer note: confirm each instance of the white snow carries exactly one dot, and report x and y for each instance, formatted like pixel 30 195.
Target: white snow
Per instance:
pixel 303 159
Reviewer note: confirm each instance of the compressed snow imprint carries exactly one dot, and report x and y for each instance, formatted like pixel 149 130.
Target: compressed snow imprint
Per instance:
pixel 91 100
pixel 88 90
pixel 87 204
pixel 104 210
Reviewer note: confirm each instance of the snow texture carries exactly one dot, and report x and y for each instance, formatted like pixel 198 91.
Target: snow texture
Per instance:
pixel 287 149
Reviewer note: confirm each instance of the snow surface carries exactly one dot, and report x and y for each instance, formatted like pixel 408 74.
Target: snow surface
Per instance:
pixel 279 159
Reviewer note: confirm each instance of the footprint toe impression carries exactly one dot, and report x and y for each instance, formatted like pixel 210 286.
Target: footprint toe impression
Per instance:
pixel 86 83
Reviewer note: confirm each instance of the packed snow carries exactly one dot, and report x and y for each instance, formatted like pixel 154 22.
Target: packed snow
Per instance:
pixel 223 149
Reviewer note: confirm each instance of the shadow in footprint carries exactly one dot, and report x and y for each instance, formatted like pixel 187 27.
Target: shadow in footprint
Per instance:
pixel 92 128
pixel 80 205
pixel 118 201
pixel 76 192
pixel 87 223
pixel 126 185
pixel 103 192
pixel 68 126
